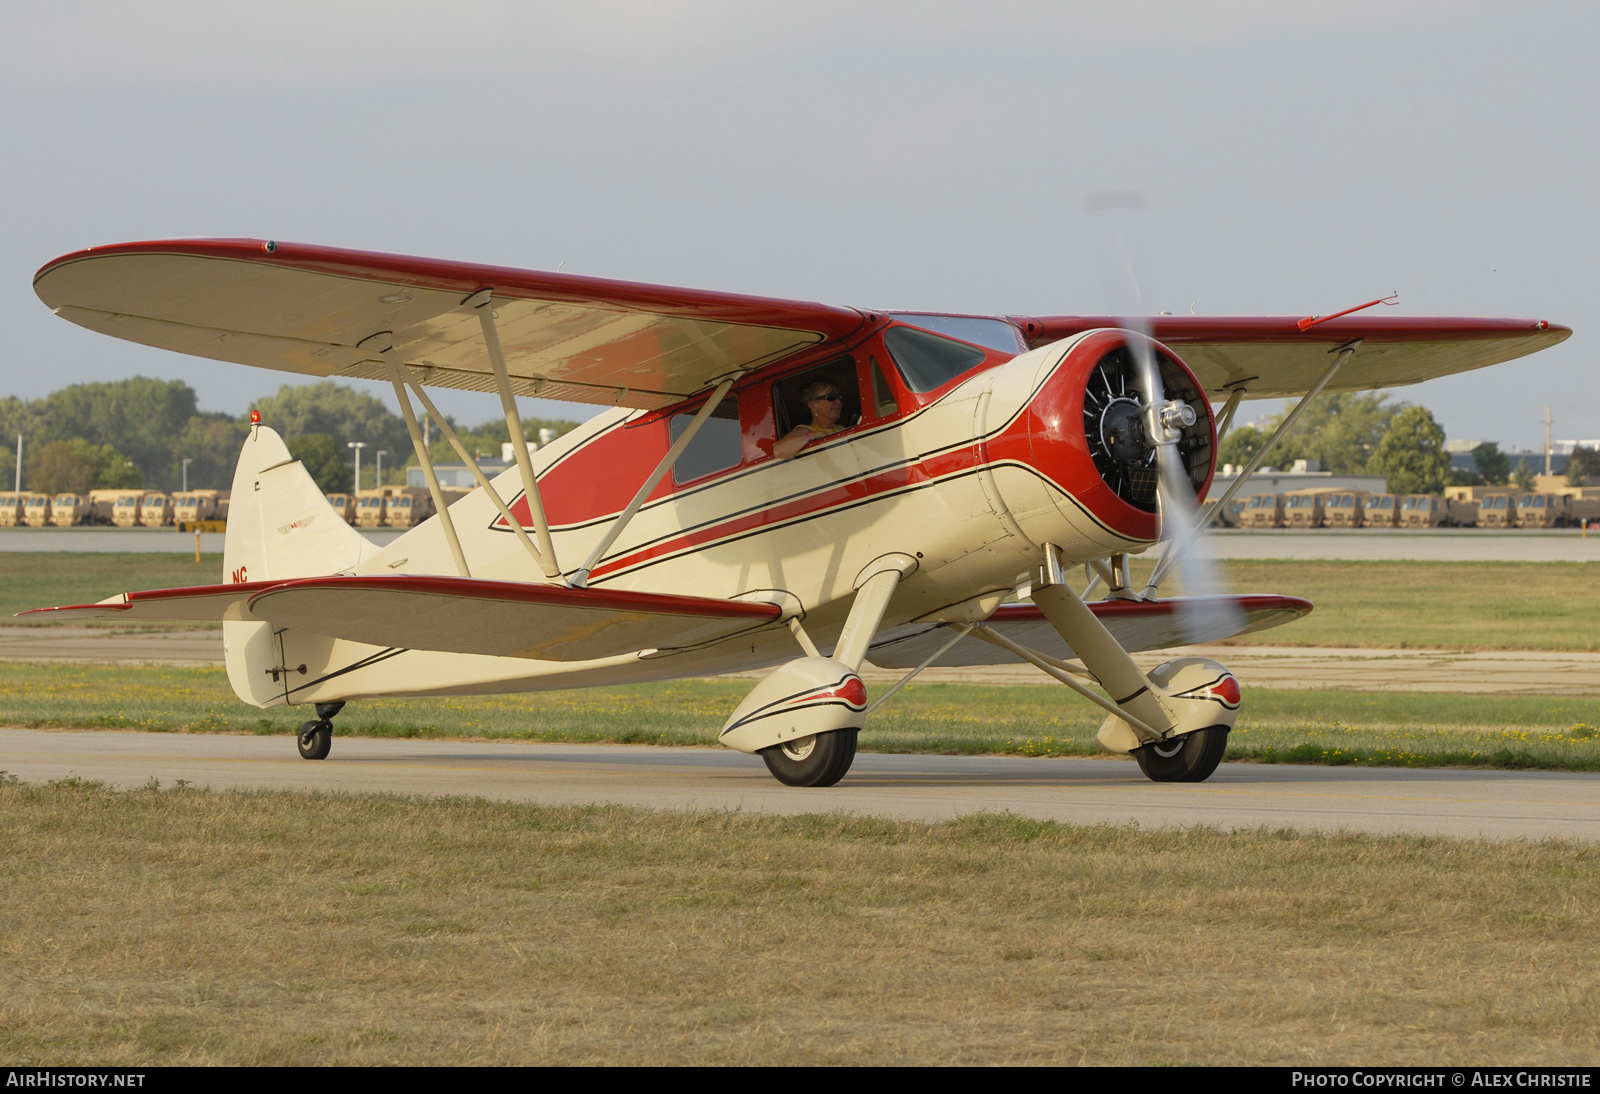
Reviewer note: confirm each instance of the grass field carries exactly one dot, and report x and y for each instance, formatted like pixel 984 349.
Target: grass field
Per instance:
pixel 1334 727
pixel 183 927
pixel 1418 605
pixel 44 579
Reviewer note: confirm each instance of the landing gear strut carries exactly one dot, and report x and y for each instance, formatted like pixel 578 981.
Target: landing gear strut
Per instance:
pixel 316 737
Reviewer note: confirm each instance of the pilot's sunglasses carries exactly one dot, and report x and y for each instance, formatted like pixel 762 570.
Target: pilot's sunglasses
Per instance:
pixel 834 398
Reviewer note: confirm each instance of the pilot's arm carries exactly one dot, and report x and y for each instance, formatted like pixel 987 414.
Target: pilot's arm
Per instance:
pixel 798 438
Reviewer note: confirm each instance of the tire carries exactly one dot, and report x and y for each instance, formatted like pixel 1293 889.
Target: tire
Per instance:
pixel 316 738
pixel 1187 759
pixel 819 760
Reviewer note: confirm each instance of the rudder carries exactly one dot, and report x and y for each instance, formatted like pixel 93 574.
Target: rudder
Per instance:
pixel 280 526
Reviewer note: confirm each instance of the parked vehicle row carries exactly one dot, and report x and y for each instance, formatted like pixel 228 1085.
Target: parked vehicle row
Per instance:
pixel 389 506
pixel 123 508
pixel 1359 509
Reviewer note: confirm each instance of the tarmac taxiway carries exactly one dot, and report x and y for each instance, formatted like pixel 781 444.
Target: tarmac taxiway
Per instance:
pixel 1448 802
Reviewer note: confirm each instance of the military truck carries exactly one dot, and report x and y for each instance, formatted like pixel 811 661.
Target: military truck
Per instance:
pixel 69 509
pixel 200 507
pixel 1381 511
pixel 1556 511
pixel 1423 511
pixel 10 510
pixel 1226 517
pixel 369 509
pixel 35 509
pixel 1345 508
pixel 1303 508
pixel 125 509
pixel 406 506
pixel 1263 511
pixel 155 510
pixel 103 506
pixel 344 505
pixel 1497 511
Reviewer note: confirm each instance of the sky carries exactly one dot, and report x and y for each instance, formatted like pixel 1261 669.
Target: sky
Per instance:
pixel 1293 158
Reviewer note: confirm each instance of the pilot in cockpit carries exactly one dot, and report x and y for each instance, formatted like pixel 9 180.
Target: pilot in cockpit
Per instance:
pixel 823 399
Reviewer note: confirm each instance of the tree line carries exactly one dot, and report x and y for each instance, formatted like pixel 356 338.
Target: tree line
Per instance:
pixel 139 432
pixel 1365 433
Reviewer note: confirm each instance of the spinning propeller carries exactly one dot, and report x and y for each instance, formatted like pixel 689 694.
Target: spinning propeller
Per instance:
pixel 1146 423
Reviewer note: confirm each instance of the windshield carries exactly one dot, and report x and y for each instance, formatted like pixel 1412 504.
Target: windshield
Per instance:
pixel 990 333
pixel 926 361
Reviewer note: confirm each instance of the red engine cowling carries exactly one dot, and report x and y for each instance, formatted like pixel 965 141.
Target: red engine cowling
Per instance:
pixel 1085 431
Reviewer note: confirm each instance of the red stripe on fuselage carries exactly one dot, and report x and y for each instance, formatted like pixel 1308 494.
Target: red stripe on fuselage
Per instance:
pixel 938 466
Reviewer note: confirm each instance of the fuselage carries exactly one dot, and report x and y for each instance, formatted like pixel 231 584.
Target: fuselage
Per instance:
pixel 968 477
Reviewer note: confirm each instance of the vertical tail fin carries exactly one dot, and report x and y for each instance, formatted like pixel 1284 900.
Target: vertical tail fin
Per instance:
pixel 280 526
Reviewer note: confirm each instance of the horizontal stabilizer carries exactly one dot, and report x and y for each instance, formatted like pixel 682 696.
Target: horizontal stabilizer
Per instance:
pixel 449 614
pixel 1137 624
pixel 197 603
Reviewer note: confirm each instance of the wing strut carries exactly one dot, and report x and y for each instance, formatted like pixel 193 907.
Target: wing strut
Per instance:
pixel 580 580
pixel 1170 558
pixel 482 302
pixel 397 374
pixel 477 473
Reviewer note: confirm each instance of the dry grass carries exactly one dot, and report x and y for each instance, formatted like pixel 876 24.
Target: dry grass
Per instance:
pixel 272 928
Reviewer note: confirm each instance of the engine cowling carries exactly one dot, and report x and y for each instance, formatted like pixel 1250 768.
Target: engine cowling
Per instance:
pixel 1084 429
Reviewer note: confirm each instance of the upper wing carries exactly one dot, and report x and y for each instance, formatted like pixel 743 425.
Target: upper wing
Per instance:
pixel 452 615
pixel 1136 624
pixel 305 309
pixel 1271 356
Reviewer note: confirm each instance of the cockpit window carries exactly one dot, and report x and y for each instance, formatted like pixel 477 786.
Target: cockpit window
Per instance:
pixel 715 448
pixel 928 361
pixel 994 334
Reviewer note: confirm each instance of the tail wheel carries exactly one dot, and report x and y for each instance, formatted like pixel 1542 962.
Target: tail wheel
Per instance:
pixel 1187 759
pixel 316 738
pixel 819 760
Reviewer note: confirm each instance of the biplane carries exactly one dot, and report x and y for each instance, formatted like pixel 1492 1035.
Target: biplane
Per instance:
pixel 978 465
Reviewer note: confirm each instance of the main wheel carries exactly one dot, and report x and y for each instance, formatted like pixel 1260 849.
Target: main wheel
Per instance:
pixel 316 738
pixel 818 760
pixel 1187 759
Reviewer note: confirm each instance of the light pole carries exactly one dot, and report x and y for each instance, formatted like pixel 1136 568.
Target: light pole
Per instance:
pixel 358 446
pixel 382 452
pixel 186 463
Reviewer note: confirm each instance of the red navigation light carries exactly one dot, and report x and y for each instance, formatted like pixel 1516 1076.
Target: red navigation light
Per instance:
pixel 255 417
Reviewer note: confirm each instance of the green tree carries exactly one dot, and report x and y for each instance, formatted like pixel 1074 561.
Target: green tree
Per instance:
pixel 1241 443
pixel 1524 477
pixel 141 418
pixel 1493 464
pixel 1585 463
pixel 1412 454
pixel 1341 430
pixel 324 461
pixel 64 467
pixel 1460 476
pixel 211 443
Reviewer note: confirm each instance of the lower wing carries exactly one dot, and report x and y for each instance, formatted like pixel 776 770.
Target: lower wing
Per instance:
pixel 450 615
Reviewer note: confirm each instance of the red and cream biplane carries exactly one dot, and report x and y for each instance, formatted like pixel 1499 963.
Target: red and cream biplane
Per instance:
pixel 982 459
